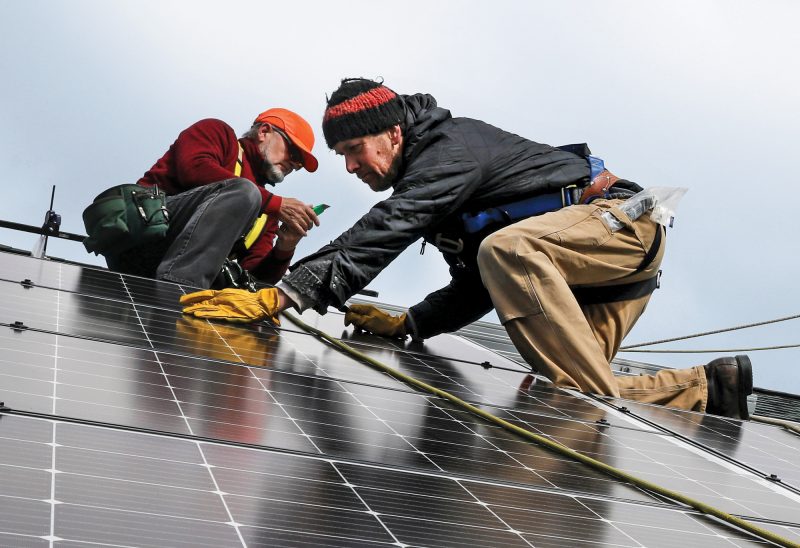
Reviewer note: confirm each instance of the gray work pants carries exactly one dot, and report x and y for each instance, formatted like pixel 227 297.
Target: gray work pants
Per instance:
pixel 204 225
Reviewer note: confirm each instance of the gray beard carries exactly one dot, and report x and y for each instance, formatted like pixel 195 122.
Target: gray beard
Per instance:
pixel 272 173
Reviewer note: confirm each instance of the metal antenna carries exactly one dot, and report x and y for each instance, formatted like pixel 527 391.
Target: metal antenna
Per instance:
pixel 51 227
pixel 47 218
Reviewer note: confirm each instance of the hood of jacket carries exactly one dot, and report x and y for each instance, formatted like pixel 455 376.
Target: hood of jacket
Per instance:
pixel 421 116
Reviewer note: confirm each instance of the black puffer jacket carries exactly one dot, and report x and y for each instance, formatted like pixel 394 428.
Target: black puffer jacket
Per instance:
pixel 450 166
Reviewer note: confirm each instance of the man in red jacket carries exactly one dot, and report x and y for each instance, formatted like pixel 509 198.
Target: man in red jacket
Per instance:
pixel 216 189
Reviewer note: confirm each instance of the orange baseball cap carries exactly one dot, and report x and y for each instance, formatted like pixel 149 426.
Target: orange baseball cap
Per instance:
pixel 296 128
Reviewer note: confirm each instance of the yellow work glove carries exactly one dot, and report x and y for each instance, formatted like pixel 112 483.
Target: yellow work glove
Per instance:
pixel 378 322
pixel 233 305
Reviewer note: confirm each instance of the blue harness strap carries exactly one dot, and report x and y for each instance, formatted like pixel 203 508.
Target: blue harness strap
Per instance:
pixel 514 211
pixel 535 205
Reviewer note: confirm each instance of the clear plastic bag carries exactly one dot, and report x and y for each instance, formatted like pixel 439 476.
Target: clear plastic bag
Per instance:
pixel 663 200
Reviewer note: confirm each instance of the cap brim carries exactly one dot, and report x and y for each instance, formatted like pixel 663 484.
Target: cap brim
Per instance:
pixel 310 163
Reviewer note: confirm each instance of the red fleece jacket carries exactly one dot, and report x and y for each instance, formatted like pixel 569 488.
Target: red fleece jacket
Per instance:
pixel 206 153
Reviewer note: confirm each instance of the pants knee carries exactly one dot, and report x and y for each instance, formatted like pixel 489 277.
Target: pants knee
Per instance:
pixel 494 248
pixel 245 193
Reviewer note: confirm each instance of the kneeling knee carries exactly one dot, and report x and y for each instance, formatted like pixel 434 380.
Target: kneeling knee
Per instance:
pixel 245 191
pixel 492 248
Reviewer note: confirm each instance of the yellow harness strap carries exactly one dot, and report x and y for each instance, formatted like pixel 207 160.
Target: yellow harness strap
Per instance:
pixel 255 231
pixel 237 170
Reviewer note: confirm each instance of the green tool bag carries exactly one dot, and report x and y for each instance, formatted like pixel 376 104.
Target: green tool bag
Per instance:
pixel 123 217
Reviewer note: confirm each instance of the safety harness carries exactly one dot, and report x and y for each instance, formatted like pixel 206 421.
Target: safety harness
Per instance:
pixel 600 185
pixel 603 294
pixel 255 230
pixel 544 203
pixel 232 274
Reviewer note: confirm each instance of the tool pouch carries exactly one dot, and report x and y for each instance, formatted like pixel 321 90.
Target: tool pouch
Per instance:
pixel 123 217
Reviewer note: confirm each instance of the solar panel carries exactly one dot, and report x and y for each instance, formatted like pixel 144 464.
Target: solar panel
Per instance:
pixel 771 451
pixel 134 425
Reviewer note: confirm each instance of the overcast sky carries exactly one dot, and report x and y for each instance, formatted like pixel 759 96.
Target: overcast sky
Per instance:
pixel 702 94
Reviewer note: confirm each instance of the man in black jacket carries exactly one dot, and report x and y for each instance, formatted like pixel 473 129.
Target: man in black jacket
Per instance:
pixel 567 286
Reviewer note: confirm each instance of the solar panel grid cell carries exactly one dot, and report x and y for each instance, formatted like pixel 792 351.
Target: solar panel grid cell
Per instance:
pixel 78 526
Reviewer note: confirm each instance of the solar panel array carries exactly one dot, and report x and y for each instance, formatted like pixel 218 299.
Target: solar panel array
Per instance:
pixel 132 425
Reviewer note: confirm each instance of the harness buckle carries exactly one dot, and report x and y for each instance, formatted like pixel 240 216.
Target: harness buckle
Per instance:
pixel 446 245
pixel 569 195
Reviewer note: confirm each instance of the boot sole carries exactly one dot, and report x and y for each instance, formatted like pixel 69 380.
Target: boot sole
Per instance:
pixel 745 384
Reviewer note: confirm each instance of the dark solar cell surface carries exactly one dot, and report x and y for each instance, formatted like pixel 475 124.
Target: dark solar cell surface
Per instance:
pixel 770 450
pixel 147 428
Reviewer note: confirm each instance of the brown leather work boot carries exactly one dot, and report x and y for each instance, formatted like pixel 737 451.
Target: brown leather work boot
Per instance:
pixel 730 381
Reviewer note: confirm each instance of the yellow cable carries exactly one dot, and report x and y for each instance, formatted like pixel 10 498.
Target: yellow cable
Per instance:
pixel 788 425
pixel 550 444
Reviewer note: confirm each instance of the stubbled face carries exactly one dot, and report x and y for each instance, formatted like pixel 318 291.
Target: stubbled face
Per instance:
pixel 277 157
pixel 375 159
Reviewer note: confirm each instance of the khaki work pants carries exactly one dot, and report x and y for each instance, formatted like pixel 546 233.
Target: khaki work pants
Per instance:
pixel 528 268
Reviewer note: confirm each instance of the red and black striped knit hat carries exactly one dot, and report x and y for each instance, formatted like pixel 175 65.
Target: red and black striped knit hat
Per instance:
pixel 360 107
